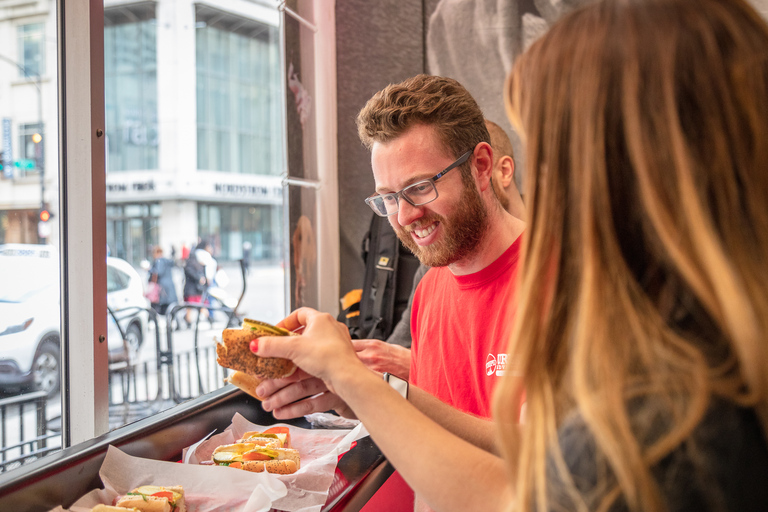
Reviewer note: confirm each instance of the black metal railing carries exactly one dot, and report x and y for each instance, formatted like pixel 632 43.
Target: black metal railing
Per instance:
pixel 137 389
pixel 28 442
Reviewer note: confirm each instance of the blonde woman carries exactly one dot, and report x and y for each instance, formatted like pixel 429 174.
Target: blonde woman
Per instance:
pixel 643 295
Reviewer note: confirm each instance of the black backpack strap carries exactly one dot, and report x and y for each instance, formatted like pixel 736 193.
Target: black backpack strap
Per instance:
pixel 389 269
pixel 383 295
pixel 377 306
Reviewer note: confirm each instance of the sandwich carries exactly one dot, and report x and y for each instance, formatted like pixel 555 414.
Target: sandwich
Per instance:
pixel 246 382
pixel 110 508
pixel 268 451
pixel 152 498
pixel 256 458
pixel 234 351
pixel 279 437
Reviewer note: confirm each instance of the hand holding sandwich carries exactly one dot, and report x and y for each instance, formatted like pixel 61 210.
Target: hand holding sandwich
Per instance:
pixel 299 395
pixel 323 349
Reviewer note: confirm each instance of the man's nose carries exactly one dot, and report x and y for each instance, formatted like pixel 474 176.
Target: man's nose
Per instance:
pixel 408 213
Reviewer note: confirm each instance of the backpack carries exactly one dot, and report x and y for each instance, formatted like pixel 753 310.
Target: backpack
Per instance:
pixel 373 311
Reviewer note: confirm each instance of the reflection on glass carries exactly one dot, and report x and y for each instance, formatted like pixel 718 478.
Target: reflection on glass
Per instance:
pixel 30 327
pixel 194 193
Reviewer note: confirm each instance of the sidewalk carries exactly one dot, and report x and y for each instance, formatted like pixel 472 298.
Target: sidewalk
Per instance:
pixel 265 290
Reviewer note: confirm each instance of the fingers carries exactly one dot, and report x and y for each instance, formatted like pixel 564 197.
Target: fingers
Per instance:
pixel 293 392
pixel 318 403
pixel 361 345
pixel 296 319
pixel 268 387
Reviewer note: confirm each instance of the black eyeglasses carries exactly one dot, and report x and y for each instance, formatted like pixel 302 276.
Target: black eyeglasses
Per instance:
pixel 418 194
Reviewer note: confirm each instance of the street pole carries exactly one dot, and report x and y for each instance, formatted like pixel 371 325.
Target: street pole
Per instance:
pixel 39 143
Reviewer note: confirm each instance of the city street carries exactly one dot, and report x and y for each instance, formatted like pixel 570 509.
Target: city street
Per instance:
pixel 264 300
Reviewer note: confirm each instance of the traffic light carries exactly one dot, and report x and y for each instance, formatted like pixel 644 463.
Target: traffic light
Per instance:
pixel 45 213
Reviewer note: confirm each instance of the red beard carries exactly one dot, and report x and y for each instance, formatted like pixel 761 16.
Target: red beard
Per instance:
pixel 462 231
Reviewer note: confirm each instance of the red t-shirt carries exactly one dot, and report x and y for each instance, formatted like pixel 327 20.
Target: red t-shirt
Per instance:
pixel 461 327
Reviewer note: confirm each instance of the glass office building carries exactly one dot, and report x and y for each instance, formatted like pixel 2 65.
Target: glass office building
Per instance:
pixel 193 130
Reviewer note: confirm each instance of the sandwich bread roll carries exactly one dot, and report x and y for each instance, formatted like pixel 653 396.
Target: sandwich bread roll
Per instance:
pixel 246 382
pixel 152 498
pixel 234 352
pixel 257 458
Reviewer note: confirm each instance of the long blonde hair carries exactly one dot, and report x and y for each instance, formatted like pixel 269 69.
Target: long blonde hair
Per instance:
pixel 643 286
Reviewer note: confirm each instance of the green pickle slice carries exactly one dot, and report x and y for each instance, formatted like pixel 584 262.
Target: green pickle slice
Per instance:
pixel 265 328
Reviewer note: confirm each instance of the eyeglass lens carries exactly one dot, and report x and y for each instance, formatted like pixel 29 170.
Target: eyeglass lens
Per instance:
pixel 417 194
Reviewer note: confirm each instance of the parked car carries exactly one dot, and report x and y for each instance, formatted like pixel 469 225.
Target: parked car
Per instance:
pixel 125 297
pixel 30 357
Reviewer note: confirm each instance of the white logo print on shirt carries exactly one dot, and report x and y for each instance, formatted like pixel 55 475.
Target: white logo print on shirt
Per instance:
pixel 496 365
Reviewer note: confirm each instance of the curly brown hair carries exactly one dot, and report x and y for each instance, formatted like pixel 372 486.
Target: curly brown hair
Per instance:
pixel 424 99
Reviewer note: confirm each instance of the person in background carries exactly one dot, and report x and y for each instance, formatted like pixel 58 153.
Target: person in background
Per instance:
pixel 247 247
pixel 503 180
pixel 640 332
pixel 199 271
pixel 161 273
pixel 204 254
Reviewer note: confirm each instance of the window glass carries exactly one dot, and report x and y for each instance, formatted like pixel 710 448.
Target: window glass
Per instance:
pixel 194 154
pixel 30 325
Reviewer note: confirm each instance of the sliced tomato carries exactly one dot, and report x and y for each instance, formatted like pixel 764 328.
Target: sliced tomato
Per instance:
pixel 236 465
pixel 256 456
pixel 277 430
pixel 164 494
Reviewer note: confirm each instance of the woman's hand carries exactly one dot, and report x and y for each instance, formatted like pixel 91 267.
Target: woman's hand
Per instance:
pixel 324 348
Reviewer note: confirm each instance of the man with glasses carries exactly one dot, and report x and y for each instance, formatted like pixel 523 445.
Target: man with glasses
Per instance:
pixel 432 165
pixel 394 355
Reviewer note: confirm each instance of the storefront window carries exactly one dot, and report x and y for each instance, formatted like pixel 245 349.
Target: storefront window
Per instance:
pixel 132 231
pixel 252 232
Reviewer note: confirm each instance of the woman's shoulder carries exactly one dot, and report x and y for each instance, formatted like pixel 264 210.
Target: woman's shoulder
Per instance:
pixel 722 465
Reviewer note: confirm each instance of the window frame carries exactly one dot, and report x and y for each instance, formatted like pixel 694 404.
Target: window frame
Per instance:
pixel 85 400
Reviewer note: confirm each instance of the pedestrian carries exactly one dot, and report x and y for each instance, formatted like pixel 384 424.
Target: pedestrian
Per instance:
pixel 161 274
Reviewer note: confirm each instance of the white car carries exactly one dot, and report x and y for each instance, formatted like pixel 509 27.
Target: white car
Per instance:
pixel 30 356
pixel 125 297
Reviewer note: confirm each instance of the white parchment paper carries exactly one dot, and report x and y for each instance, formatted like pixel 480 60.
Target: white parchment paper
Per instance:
pixel 212 488
pixel 307 489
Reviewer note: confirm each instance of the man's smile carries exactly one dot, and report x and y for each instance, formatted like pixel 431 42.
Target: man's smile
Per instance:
pixel 424 232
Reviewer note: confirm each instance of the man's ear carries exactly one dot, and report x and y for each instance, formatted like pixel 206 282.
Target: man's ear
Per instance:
pixel 483 162
pixel 507 166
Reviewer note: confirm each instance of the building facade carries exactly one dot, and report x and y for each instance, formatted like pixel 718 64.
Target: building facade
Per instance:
pixel 193 129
